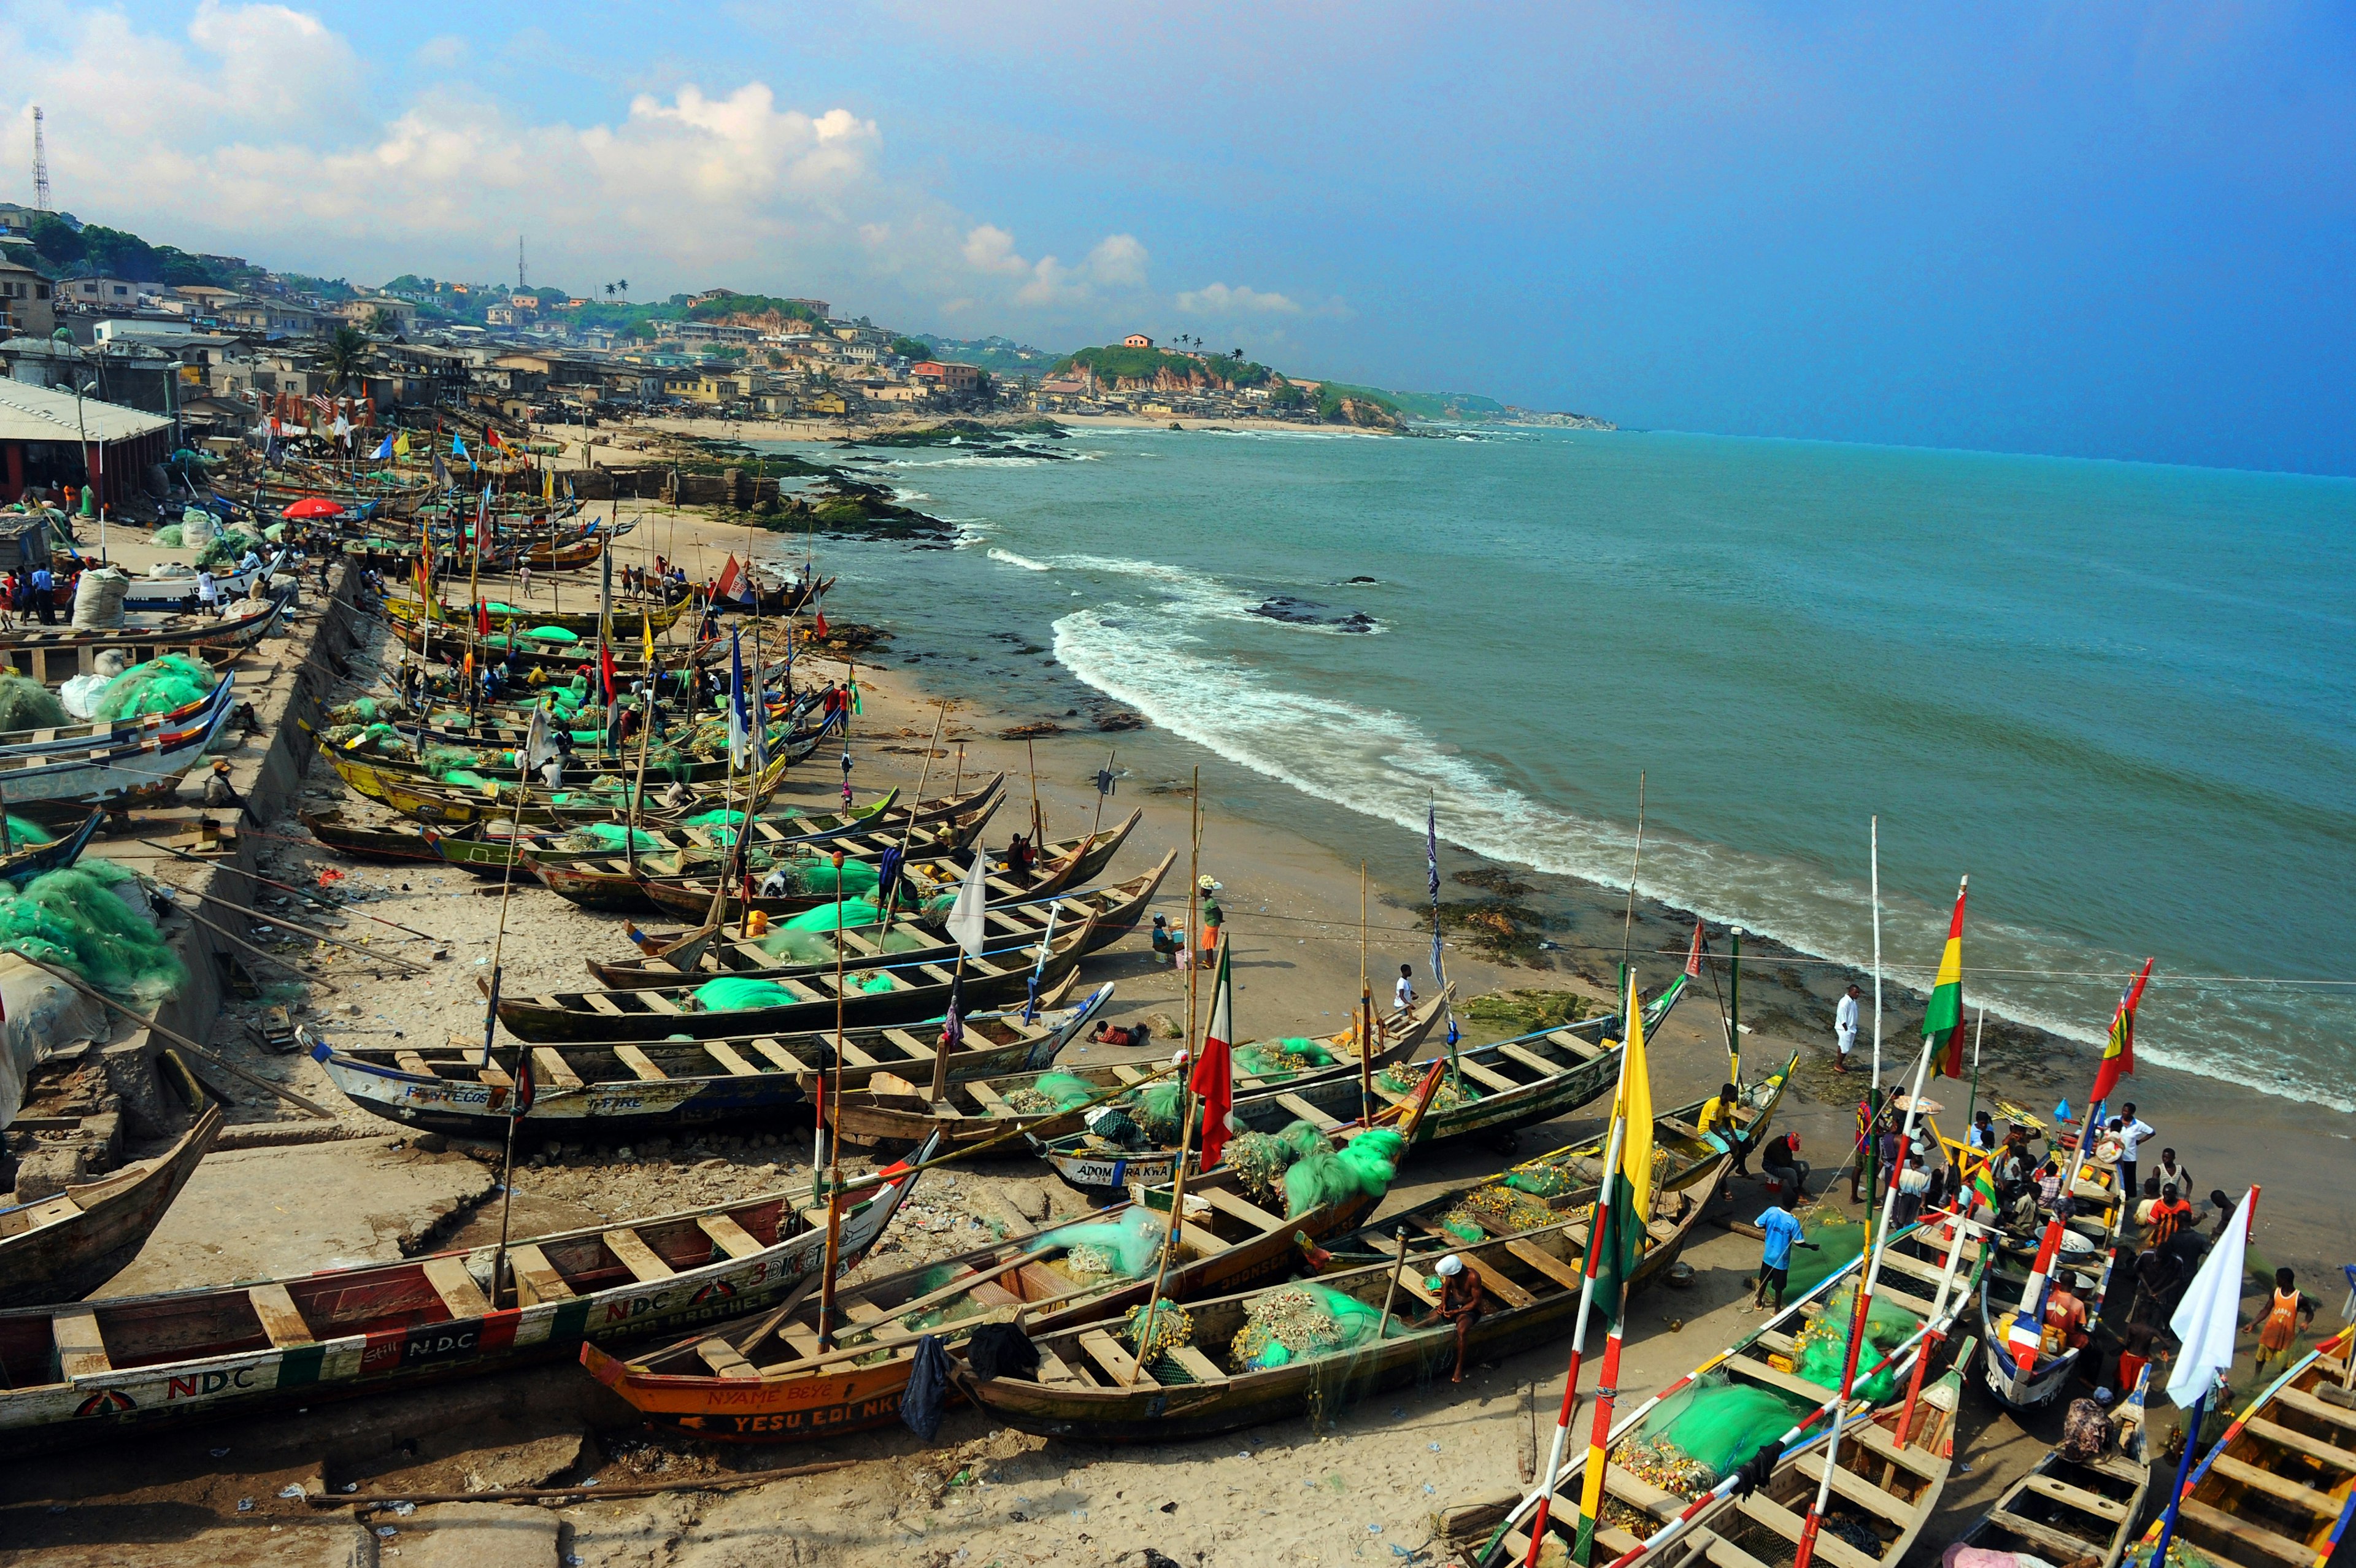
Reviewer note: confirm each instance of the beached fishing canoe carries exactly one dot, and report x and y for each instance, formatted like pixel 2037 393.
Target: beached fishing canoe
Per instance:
pixel 2089 1255
pixel 903 1112
pixel 62 1248
pixel 99 734
pixel 54 654
pixel 101 1369
pixel 1506 1084
pixel 568 804
pixel 632 616
pixel 786 599
pixel 1895 1459
pixel 2278 1490
pixel 21 859
pixel 1090 1387
pixel 114 777
pixel 616 1093
pixel 2068 1510
pixel 773 1381
pixel 393 844
pixel 868 998
pixel 1070 863
pixel 176 595
pixel 663 768
pixel 908 943
pixel 566 557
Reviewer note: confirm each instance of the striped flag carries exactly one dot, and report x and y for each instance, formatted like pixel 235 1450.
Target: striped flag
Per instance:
pixel 1212 1078
pixel 1942 1020
pixel 1693 959
pixel 2118 1052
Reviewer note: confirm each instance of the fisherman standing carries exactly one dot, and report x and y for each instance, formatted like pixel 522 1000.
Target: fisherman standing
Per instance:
pixel 1844 1029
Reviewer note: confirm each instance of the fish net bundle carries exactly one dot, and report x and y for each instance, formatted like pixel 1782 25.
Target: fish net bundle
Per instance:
pixel 1542 1180
pixel 1661 1462
pixel 1405 1078
pixel 75 920
pixel 1363 1168
pixel 1495 1212
pixel 1267 1057
pixel 1258 1160
pixel 1050 1091
pixel 1168 1327
pixel 159 685
pixel 1706 1429
pixel 1293 1321
pixel 594 837
pixel 27 704
pixel 1156 1110
pixel 1822 1348
pixel 1130 1246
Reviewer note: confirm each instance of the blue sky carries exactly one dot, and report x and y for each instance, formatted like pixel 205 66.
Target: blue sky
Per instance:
pixel 2117 231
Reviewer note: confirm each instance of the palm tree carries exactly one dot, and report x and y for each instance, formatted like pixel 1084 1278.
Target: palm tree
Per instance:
pixel 1236 352
pixel 609 291
pixel 348 355
pixel 624 286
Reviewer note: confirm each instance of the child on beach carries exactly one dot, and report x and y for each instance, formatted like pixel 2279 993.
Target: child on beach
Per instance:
pixel 2278 1329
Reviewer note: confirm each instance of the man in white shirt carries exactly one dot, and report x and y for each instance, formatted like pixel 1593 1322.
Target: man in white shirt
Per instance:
pixel 208 592
pixel 1845 1028
pixel 2131 1132
pixel 1403 994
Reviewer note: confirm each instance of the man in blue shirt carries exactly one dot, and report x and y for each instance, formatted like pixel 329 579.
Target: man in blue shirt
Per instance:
pixel 42 606
pixel 1784 1233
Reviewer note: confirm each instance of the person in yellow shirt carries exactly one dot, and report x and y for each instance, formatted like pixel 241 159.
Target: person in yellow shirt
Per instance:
pixel 1718 1111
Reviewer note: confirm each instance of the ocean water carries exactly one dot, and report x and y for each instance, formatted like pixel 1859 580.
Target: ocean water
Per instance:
pixel 2121 697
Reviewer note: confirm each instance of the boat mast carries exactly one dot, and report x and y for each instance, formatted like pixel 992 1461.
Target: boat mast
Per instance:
pixel 1365 1014
pixel 834 1143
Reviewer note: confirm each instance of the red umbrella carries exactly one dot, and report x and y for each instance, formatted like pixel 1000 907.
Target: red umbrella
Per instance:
pixel 314 506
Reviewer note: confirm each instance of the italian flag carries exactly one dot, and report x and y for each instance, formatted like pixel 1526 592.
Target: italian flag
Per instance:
pixel 1942 1020
pixel 1213 1078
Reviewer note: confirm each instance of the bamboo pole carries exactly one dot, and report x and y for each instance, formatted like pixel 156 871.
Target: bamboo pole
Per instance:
pixel 1399 1266
pixel 1366 1013
pixel 184 1043
pixel 1177 1218
pixel 834 1143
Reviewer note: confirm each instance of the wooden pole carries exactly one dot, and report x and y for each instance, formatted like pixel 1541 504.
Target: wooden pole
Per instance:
pixel 834 1143
pixel 1177 1205
pixel 1366 1013
pixel 1390 1293
pixel 908 828
pixel 1037 822
pixel 1109 754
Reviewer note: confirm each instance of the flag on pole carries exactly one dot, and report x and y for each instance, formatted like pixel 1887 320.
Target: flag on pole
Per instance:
pixel 725 586
pixel 1631 1179
pixel 482 619
pixel 491 440
pixel 2206 1319
pixel 458 446
pixel 737 727
pixel 605 674
pixel 1693 959
pixel 526 1090
pixel 647 635
pixel 384 450
pixel 969 916
pixel 441 474
pixel 2118 1052
pixel 548 484
pixel 401 446
pixel 1213 1076
pixel 819 625
pixel 1942 1020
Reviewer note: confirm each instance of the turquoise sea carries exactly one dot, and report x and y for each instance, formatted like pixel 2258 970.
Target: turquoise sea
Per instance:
pixel 2122 697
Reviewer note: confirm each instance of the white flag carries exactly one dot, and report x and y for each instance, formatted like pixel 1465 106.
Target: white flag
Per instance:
pixel 2206 1318
pixel 968 915
pixel 537 748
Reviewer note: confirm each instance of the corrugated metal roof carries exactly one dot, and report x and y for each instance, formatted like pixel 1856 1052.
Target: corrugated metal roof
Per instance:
pixel 39 413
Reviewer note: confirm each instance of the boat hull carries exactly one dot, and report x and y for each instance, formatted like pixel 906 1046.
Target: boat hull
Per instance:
pixel 102 1225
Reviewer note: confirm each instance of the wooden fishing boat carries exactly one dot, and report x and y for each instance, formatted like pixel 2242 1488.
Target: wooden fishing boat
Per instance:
pixel 2089 1254
pixel 663 769
pixel 908 942
pixel 2066 1511
pixel 448 804
pixel 176 595
pixel 1071 863
pixel 1090 1388
pixel 899 1111
pixel 114 777
pixel 390 844
pixel 786 599
pixel 2276 1489
pixel 1894 1458
pixel 20 861
pixel 79 739
pixel 621 1092
pixel 99 1370
pixel 62 1248
pixel 566 557
pixel 1508 1083
pixel 53 654
pixel 898 997
pixel 558 657
pixel 633 613
pixel 773 1382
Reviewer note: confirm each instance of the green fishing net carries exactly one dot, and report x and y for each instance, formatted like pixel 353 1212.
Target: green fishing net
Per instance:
pixel 718 819
pixel 359 710
pixel 72 919
pixel 592 837
pixel 1294 1321
pixel 879 981
pixel 27 704
pixel 798 946
pixel 1543 1181
pixel 1051 1091
pixel 1268 1058
pixel 732 994
pixel 1165 1327
pixel 1130 1246
pixel 816 879
pixel 1496 1211
pixel 1259 1160
pixel 159 685
pixel 1704 1429
pixel 467 778
pixel 441 761
pixel 1839 1241
pixel 23 834
pixel 1362 1167
pixel 1823 1346
pixel 168 536
pixel 826 917
pixel 1406 1078
pixel 553 634
pixel 1156 1109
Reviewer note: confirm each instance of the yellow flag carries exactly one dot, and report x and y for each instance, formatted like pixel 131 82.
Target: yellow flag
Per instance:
pixel 548 484
pixel 647 630
pixel 1636 1106
pixel 401 444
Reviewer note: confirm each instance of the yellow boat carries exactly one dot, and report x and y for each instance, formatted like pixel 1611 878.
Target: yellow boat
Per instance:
pixel 425 801
pixel 407 611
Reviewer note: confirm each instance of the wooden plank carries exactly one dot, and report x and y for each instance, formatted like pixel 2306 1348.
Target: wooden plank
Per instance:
pixel 637 1256
pixel 724 1360
pixel 640 1064
pixel 2065 1547
pixel 1127 1075
pixel 1633 1489
pixel 1724 1553
pixel 456 1288
pixel 1830 1548
pixel 728 1235
pixel 658 1003
pixel 735 1065
pixel 1115 1361
pixel 1504 1288
pixel 1306 1112
pixel 2300 1443
pixel 1894 1258
pixel 778 1056
pixel 536 1278
pixel 2308 1404
pixel 2079 1497
pixel 81 1350
pixel 601 1003
pixel 553 1069
pixel 990 1099
pixel 1760 1372
pixel 2255 1537
pixel 1857 1490
pixel 801 1339
pixel 410 1062
pixel 1531 1059
pixel 1498 1080
pixel 496 1076
pixel 1545 1262
pixel 916 1049
pixel 1239 1208
pixel 1875 1440
pixel 281 1318
pixel 1054 1373
pixel 1204 1370
pixel 858 1310
pixel 2280 1487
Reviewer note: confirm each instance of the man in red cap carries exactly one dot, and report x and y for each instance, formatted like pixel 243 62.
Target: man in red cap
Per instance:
pixel 1781 1162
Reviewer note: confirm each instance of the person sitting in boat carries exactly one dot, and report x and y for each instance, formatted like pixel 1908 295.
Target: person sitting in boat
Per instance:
pixel 2065 1317
pixel 677 797
pixel 1461 1301
pixel 251 561
pixel 1019 861
pixel 2086 1431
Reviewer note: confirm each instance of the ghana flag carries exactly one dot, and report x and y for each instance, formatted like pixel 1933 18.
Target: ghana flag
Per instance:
pixel 1942 1020
pixel 1631 1198
pixel 2118 1052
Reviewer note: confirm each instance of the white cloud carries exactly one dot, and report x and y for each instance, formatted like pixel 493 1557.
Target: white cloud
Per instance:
pixel 1115 263
pixel 1119 261
pixel 1219 300
pixel 989 248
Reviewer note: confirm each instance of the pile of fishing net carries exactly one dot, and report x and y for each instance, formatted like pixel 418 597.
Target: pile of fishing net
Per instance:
pixel 597 837
pixel 157 685
pixel 1822 1348
pixel 1156 1110
pixel 534 635
pixel 1362 1167
pixel 24 835
pixel 27 704
pixel 1130 1246
pixel 734 993
pixel 376 740
pixel 1405 1078
pixel 1292 1321
pixel 1496 1211
pixel 1704 1429
pixel 1839 1241
pixel 1166 1327
pixel 168 536
pixel 1051 1091
pixel 359 710
pixel 1542 1179
pixel 820 877
pixel 846 915
pixel 75 920
pixel 1260 1159
pixel 443 761
pixel 1274 1058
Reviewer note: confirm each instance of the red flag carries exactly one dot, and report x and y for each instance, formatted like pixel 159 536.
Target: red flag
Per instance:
pixel 1213 1078
pixel 822 623
pixel 725 587
pixel 491 437
pixel 482 619
pixel 2118 1052
pixel 526 1090
pixel 606 669
pixel 1693 959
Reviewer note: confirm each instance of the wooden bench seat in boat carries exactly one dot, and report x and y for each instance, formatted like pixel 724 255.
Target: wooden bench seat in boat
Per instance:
pixel 456 1288
pixel 1115 1362
pixel 728 1235
pixel 535 1279
pixel 637 1256
pixel 281 1318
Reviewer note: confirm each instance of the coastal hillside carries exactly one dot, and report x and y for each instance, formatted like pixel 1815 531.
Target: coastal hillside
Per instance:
pixel 1142 367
